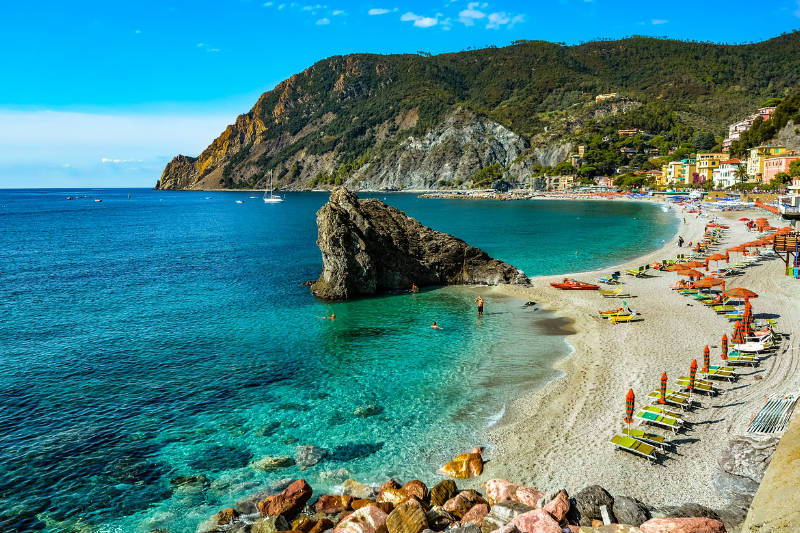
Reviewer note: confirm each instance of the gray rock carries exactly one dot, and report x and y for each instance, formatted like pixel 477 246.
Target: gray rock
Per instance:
pixel 742 463
pixel 368 247
pixel 366 411
pixel 471 528
pixel 308 456
pixel 269 524
pixel 439 519
pixel 273 463
pixel 631 511
pixel 585 506
pixel 501 514
pixel 689 510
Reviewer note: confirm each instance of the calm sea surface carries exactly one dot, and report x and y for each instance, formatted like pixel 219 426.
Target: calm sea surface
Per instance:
pixel 167 334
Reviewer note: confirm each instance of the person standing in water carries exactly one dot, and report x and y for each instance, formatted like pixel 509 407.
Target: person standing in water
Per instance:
pixel 414 287
pixel 479 300
pixel 435 325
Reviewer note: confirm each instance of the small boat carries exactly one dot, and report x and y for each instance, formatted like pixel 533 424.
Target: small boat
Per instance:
pixel 98 200
pixel 239 201
pixel 70 198
pixel 271 198
pixel 574 285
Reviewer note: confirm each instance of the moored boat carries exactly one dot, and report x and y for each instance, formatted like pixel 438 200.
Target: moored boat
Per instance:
pixel 574 285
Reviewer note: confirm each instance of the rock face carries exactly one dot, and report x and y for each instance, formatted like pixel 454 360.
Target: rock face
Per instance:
pixel 368 247
pixel 742 465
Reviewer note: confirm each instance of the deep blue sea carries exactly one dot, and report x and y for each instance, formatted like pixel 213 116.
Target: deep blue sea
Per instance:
pixel 161 334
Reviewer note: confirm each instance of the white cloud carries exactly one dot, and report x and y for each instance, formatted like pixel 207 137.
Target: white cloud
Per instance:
pixel 137 32
pixel 338 12
pixel 797 13
pixel 656 22
pixel 419 20
pixel 471 14
pixel 323 21
pixel 497 19
pixel 115 161
pixel 377 11
pixel 267 4
pixel 518 19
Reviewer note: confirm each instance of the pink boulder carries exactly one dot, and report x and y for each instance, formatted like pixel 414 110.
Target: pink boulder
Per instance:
pixel 462 502
pixel 558 507
pixel 475 515
pixel 499 490
pixel 369 519
pixel 529 496
pixel 536 521
pixel 682 525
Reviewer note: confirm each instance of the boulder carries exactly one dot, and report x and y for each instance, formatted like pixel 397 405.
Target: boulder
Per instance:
pixel 585 506
pixel 630 511
pixel 462 502
pixel 302 523
pixel 503 513
pixel 365 411
pixel 499 490
pixel 475 515
pixel 363 502
pixel 288 503
pixel 469 528
pixel 682 525
pixel 743 460
pixel 369 519
pixel 558 507
pixel 408 517
pixel 687 510
pixel 611 528
pixel 308 456
pixel 393 496
pixel 536 521
pixel 416 488
pixel 443 491
pixel 528 495
pixel 439 519
pixel 273 463
pixel 333 504
pixel 321 525
pixel 369 247
pixel 508 528
pixel 463 466
pixel 390 483
pixel 226 516
pixel 357 490
pixel 269 524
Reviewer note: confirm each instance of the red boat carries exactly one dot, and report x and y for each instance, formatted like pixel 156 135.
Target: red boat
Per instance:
pixel 574 285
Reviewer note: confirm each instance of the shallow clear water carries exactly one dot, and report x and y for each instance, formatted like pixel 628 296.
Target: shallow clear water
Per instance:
pixel 167 334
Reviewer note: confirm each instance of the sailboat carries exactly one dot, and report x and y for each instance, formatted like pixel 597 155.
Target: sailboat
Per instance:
pixel 271 198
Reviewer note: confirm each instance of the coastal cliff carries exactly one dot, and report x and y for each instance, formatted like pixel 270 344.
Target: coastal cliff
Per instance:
pixel 369 247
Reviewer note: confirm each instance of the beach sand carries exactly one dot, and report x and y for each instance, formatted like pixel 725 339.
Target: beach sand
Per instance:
pixel 557 437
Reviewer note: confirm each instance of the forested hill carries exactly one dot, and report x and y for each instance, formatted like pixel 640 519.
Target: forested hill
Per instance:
pixel 418 121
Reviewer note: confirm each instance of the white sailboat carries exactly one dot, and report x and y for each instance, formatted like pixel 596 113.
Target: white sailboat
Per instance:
pixel 271 198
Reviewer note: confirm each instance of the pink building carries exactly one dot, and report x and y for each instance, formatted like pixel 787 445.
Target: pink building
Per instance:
pixel 766 113
pixel 776 165
pixel 605 181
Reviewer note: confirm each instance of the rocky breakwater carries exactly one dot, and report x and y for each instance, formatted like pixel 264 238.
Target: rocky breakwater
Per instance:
pixel 413 507
pixel 369 247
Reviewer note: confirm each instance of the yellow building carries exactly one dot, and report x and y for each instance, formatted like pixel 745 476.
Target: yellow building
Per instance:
pixel 707 162
pixel 755 163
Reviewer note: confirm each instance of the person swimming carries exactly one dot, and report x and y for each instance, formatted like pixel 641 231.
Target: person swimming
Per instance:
pixel 435 325
pixel 332 317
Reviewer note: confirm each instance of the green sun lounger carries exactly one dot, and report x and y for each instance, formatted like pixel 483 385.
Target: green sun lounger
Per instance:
pixel 634 446
pixel 717 373
pixel 721 309
pixel 663 411
pixel 671 398
pixel 700 385
pixel 650 438
pixel 656 419
pixel 736 358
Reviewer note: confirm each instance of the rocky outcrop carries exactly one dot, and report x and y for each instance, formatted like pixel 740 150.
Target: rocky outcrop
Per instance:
pixel 368 247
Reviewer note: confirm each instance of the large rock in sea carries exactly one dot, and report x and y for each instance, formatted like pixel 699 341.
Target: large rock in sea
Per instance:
pixel 288 503
pixel 369 247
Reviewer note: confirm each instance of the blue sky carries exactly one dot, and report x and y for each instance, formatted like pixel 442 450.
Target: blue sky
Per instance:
pixel 105 93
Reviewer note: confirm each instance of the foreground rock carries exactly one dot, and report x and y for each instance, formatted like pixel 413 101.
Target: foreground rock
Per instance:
pixel 368 247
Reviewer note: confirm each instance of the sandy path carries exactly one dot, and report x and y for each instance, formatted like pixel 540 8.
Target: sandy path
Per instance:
pixel 557 437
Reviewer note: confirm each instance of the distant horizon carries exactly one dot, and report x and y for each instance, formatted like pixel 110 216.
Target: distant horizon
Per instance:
pixel 104 95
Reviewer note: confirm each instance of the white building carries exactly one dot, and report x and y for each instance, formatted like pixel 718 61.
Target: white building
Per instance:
pixel 725 174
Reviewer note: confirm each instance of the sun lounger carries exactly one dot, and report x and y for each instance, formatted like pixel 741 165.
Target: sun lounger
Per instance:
pixel 671 398
pixel 700 385
pixel 638 272
pixel 717 373
pixel 663 411
pixel 633 317
pixel 629 444
pixel 736 358
pixel 722 309
pixel 656 419
pixel 754 347
pixel 650 438
pixel 617 292
pixel 612 279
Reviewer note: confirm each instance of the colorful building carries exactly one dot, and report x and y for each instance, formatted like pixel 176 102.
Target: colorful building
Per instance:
pixel 707 162
pixel 725 175
pixel 775 165
pixel 766 113
pixel 755 163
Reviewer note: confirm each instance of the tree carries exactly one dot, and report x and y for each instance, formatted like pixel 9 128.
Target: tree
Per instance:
pixel 703 141
pixel 794 169
pixel 587 170
pixel 741 174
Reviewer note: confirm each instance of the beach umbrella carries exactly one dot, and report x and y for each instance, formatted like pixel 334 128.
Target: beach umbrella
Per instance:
pixel 663 398
pixel 716 257
pixel 744 219
pixel 738 333
pixel 691 273
pixel 724 347
pixel 629 399
pixel 675 268
pixel 748 319
pixel 739 292
pixel 692 374
pixel 708 282
pixel 706 359
pixel 694 264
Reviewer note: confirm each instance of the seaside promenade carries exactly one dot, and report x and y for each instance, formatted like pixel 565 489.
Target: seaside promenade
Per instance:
pixel 557 437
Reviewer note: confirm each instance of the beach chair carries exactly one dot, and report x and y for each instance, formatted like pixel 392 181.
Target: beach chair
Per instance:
pixel 637 447
pixel 672 398
pixel 723 309
pixel 667 422
pixel 712 304
pixel 717 373
pixel 617 292
pixel 610 280
pixel 638 272
pixel 700 385
pixel 737 358
pixel 754 347
pixel 653 439
pixel 664 412
pixel 632 317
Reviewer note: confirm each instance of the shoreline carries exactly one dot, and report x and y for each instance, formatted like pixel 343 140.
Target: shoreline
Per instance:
pixel 579 411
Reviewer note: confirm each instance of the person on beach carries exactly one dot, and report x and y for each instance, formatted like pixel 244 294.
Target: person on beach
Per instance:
pixel 480 305
pixel 680 241
pixel 435 325
pixel 414 288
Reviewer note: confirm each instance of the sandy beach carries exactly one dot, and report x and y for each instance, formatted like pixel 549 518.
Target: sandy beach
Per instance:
pixel 557 437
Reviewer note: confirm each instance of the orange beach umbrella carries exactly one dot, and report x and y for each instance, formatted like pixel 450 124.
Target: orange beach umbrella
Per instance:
pixel 663 397
pixel 676 267
pixel 740 292
pixel 691 273
pixel 629 399
pixel 738 333
pixel 694 264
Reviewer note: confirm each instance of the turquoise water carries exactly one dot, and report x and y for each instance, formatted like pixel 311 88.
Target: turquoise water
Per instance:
pixel 167 334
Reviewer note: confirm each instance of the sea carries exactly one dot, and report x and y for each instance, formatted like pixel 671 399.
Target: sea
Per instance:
pixel 155 345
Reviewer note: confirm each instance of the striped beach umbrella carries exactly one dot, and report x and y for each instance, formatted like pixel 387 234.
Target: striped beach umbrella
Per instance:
pixel 663 398
pixel 629 398
pixel 706 359
pixel 724 347
pixel 747 320
pixel 738 333
pixel 692 374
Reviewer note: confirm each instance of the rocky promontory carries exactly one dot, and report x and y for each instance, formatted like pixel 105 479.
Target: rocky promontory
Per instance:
pixel 369 247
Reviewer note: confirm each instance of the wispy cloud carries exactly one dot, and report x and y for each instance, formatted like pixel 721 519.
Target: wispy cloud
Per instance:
pixel 378 11
pixel 338 12
pixel 797 12
pixel 657 22
pixel 472 13
pixel 115 161
pixel 323 21
pixel 207 48
pixel 420 21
